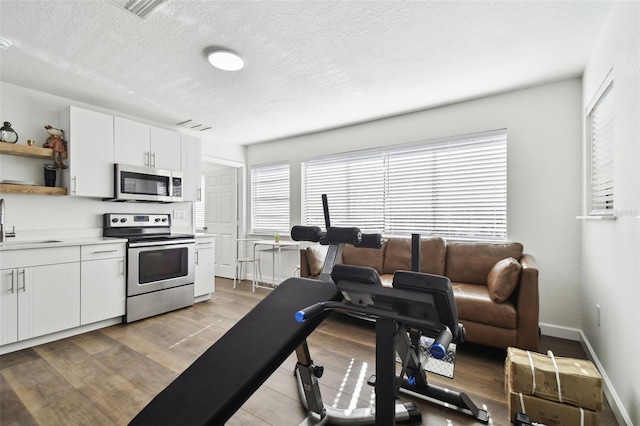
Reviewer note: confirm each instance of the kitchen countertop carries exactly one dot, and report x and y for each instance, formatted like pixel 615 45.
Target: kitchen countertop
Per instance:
pixel 201 235
pixel 12 244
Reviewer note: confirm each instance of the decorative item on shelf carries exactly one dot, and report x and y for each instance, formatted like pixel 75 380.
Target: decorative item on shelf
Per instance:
pixel 277 236
pixel 31 142
pixel 7 134
pixel 56 142
pixel 50 172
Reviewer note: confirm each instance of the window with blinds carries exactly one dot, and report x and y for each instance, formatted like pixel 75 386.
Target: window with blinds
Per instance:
pixel 199 207
pixel 601 184
pixel 270 198
pixel 453 188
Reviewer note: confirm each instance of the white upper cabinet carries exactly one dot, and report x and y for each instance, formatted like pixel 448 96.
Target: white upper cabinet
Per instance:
pixel 191 168
pixel 165 149
pixel 140 144
pixel 131 143
pixel 90 145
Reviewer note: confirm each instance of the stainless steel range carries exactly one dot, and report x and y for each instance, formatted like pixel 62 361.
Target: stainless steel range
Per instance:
pixel 160 265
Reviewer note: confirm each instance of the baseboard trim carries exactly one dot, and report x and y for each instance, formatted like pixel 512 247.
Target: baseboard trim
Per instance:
pixel 560 332
pixel 24 344
pixel 621 415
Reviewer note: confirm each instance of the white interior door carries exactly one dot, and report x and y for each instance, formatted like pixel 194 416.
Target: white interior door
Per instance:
pixel 221 205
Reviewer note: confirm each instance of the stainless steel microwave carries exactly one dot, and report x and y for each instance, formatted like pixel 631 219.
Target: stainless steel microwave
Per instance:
pixel 134 183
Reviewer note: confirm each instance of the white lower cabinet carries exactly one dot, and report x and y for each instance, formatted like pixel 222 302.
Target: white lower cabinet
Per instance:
pixel 40 292
pixel 103 283
pixel 205 266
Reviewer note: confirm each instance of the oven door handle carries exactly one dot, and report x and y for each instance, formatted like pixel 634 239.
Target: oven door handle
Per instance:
pixel 162 243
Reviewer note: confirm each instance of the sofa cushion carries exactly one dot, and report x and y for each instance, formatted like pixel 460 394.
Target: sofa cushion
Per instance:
pixel 315 256
pixel 471 262
pixel 475 304
pixel 359 256
pixel 433 252
pixel 503 279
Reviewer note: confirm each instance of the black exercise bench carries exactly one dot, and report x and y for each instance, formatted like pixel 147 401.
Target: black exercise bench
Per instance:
pixel 219 382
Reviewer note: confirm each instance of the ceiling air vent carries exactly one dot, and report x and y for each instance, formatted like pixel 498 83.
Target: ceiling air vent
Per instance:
pixel 141 8
pixel 190 124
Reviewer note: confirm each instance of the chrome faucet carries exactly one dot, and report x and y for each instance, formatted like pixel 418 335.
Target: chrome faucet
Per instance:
pixel 3 234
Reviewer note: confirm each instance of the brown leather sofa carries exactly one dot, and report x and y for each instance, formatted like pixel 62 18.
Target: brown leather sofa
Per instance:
pixel 495 285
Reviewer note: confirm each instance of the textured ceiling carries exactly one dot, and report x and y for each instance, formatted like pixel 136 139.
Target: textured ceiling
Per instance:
pixel 310 65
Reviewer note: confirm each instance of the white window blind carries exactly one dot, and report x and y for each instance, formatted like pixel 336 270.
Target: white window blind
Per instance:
pixel 353 184
pixel 602 182
pixel 270 198
pixel 454 188
pixel 199 206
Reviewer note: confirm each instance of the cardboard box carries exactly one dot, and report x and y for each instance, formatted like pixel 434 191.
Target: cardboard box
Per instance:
pixel 548 412
pixel 580 381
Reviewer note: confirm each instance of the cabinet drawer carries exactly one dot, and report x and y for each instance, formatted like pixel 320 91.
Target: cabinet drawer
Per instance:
pixel 102 251
pixel 203 243
pixel 39 256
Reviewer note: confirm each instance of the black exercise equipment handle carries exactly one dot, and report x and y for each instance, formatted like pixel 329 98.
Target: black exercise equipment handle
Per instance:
pixel 441 343
pixel 325 209
pixel 373 311
pixel 311 311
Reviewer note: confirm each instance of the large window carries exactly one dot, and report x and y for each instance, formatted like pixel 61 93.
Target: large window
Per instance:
pixel 600 151
pixel 270 198
pixel 454 188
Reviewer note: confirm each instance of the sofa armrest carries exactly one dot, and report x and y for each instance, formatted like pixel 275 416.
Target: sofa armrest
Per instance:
pixel 527 304
pixel 304 264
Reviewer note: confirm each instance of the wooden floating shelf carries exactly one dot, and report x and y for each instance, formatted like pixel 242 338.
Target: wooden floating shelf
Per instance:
pixel 25 151
pixel 31 189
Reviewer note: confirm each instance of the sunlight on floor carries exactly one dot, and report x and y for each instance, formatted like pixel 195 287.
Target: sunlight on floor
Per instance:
pixel 191 335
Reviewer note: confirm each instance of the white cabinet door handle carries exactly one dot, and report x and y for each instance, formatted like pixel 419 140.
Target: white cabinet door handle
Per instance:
pixel 197 257
pixel 153 155
pixel 75 184
pixel 122 269
pixel 12 281
pixel 24 280
pixel 105 251
pixel 147 161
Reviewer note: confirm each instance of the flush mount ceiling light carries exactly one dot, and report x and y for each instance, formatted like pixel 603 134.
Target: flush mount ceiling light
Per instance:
pixel 225 60
pixel 5 43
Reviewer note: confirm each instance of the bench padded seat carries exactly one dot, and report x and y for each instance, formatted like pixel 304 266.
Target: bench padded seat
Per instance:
pixel 219 382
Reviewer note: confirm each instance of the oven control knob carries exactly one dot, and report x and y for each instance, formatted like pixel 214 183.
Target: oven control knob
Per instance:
pixel 123 220
pixel 157 219
pixel 114 220
pixel 164 219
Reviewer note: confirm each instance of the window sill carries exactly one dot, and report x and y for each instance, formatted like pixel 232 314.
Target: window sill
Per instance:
pixel 596 217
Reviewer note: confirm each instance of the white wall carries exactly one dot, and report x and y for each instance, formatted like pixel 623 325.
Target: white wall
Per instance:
pixel 610 249
pixel 28 111
pixel 544 167
pixel 222 151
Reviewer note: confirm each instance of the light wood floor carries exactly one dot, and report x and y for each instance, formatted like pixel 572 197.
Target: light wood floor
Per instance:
pixel 107 376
